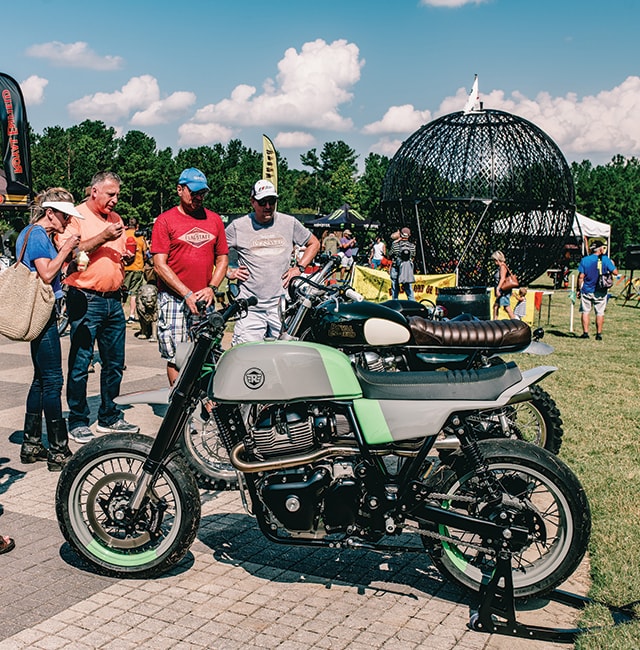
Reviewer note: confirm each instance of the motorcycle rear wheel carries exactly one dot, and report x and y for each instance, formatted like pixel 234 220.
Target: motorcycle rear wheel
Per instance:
pixel 206 455
pixel 91 506
pixel 545 496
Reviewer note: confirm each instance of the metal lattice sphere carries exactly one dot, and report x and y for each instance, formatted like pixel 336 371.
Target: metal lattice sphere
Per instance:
pixel 468 184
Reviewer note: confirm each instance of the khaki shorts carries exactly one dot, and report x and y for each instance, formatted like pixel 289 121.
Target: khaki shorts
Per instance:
pixel 596 300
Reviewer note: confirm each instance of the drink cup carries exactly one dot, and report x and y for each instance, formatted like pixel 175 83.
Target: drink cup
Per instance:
pixel 82 261
pixel 131 246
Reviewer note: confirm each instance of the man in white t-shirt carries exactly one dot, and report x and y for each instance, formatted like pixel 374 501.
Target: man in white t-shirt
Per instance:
pixel 264 241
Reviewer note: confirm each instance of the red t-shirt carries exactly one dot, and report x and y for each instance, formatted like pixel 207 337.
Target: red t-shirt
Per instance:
pixel 192 246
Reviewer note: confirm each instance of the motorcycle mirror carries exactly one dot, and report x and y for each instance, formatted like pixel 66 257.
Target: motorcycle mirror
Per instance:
pixel 538 334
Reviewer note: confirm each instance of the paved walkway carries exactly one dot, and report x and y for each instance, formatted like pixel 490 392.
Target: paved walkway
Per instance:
pixel 233 590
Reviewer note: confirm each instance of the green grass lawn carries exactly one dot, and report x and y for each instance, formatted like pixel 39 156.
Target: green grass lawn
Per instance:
pixel 596 389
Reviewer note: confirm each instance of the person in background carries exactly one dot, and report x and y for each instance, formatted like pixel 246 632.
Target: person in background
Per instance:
pixel 95 308
pixel 348 252
pixel 330 243
pixel 50 215
pixel 264 240
pixel 520 310
pixel 591 297
pixel 134 272
pixel 502 298
pixel 378 251
pixel 402 253
pixel 190 258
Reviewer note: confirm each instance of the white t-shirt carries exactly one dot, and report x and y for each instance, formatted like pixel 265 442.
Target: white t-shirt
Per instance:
pixel 266 250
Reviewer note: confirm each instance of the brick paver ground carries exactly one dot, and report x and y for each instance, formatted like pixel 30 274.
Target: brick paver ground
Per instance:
pixel 233 590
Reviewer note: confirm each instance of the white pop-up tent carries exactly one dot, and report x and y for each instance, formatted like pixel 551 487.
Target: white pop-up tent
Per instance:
pixel 587 229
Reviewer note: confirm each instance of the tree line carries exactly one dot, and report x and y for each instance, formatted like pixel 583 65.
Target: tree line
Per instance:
pixel 69 157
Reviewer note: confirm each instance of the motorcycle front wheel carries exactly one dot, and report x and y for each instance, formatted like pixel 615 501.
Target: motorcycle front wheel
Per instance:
pixel 540 492
pixel 537 421
pixel 92 507
pixel 206 455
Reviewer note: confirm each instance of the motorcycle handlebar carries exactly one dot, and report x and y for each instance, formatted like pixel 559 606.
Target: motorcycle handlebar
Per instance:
pixel 353 295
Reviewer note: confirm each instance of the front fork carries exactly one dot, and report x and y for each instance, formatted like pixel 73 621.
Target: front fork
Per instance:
pixel 181 403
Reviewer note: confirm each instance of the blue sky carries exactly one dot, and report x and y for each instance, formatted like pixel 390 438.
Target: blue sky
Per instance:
pixel 304 73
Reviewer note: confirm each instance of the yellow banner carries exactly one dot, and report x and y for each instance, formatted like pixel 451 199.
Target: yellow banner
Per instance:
pixel 375 285
pixel 269 162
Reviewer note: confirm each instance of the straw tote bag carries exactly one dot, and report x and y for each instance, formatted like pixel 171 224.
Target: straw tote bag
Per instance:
pixel 26 302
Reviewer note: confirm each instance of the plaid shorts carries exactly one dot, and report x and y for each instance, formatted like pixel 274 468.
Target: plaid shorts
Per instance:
pixel 172 325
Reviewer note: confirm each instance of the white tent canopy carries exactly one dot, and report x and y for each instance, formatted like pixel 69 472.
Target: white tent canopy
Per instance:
pixel 587 229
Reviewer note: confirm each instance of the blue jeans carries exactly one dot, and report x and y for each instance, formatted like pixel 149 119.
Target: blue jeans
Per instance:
pixel 45 392
pixel 94 319
pixel 407 287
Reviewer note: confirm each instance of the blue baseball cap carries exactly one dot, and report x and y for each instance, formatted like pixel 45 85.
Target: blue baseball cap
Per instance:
pixel 194 179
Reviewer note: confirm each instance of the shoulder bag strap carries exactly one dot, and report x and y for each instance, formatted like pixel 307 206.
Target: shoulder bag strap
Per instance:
pixel 24 244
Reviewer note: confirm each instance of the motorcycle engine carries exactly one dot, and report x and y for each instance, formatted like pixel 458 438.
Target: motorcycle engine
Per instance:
pixel 316 495
pixel 282 431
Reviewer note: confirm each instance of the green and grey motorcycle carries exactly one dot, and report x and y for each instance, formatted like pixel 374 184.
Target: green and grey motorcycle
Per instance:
pixel 334 455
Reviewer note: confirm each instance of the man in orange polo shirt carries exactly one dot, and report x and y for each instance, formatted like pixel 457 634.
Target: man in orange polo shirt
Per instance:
pixel 95 310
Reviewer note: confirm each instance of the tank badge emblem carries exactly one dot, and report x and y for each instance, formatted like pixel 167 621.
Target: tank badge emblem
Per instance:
pixel 254 378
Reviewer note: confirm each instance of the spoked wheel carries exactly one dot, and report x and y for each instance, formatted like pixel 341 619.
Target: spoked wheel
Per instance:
pixel 92 506
pixel 537 421
pixel 540 494
pixel 206 455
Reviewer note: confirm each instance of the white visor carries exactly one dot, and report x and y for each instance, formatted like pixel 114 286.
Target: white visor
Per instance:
pixel 63 206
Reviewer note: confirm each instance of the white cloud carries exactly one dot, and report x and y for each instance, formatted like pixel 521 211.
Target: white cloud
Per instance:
pixel 164 110
pixel 451 3
pixel 606 123
pixel 74 55
pixel 386 147
pixel 600 125
pixel 308 90
pixel 399 119
pixel 33 89
pixel 137 93
pixel 191 134
pixel 293 139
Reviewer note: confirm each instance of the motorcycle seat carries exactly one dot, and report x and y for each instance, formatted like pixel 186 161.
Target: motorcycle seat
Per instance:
pixel 468 385
pixel 496 335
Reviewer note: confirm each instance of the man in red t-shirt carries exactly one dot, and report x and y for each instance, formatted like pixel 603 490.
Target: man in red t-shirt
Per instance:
pixel 190 257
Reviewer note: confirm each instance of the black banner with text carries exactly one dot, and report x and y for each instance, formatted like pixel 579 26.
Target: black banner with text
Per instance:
pixel 15 173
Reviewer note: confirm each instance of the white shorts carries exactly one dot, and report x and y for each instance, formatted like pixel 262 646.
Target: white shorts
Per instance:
pixel 597 301
pixel 257 325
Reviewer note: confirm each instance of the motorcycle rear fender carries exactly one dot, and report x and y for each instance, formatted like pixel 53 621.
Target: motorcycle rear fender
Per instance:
pixel 386 421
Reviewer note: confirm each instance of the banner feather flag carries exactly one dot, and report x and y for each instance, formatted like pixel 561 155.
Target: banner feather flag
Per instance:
pixel 269 162
pixel 15 171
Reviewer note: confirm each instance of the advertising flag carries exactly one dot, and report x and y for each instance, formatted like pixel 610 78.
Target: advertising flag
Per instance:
pixel 269 162
pixel 15 172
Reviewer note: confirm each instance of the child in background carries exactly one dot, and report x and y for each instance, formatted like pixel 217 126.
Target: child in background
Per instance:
pixel 521 308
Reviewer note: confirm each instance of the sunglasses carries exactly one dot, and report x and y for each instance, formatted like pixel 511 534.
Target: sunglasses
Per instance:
pixel 270 200
pixel 197 195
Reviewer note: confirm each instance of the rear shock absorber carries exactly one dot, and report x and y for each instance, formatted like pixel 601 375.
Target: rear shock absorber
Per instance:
pixel 472 452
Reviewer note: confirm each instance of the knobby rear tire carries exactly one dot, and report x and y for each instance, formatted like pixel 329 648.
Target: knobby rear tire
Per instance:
pixel 544 489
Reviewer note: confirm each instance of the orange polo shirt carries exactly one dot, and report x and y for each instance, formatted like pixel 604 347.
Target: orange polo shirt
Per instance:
pixel 106 270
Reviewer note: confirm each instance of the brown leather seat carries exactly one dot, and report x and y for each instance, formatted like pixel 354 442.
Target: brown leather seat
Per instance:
pixel 505 335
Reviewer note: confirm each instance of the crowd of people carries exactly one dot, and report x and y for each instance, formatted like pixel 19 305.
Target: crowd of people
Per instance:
pixel 189 249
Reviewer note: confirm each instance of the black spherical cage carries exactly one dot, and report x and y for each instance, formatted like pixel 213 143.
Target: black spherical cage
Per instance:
pixel 468 184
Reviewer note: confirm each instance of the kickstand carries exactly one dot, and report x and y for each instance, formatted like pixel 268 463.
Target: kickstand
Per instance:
pixel 497 615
